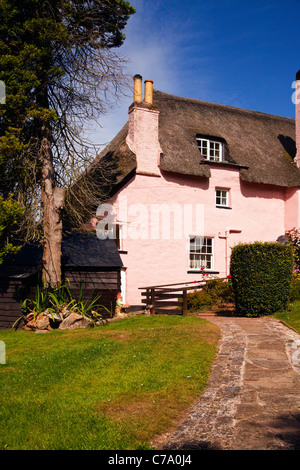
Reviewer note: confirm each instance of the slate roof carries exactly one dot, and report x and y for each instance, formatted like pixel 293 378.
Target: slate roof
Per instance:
pixel 85 249
pixel 79 249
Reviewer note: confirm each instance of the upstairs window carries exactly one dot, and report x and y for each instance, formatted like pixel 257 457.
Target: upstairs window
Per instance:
pixel 210 149
pixel 222 197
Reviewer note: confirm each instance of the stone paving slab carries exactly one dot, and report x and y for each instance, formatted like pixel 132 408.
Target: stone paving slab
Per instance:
pixel 252 401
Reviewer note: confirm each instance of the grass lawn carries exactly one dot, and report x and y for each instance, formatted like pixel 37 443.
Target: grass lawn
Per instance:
pixel 291 316
pixel 112 387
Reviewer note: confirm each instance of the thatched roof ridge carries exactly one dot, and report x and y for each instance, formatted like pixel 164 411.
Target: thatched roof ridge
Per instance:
pixel 263 145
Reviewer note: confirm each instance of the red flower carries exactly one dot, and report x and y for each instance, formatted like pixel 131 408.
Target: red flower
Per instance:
pixel 229 276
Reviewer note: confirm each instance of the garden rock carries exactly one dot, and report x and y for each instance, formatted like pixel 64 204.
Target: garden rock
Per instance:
pixel 54 316
pixel 74 320
pixel 40 322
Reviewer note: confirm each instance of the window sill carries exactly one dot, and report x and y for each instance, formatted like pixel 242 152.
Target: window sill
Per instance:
pixel 192 271
pixel 123 252
pixel 224 163
pixel 223 207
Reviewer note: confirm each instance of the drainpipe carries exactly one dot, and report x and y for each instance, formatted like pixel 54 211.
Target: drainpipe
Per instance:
pixel 226 237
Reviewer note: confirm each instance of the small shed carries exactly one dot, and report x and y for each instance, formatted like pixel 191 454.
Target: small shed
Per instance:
pixel 86 260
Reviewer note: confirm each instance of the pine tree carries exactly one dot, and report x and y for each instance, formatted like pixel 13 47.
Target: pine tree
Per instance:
pixel 59 66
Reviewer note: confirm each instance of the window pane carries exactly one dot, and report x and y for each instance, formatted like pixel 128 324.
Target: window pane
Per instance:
pixel 222 197
pixel 201 253
pixel 210 149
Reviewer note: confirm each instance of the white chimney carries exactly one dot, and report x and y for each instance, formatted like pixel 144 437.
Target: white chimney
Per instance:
pixel 142 135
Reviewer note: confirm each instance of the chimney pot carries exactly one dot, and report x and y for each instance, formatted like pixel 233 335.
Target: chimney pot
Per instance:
pixel 149 91
pixel 137 89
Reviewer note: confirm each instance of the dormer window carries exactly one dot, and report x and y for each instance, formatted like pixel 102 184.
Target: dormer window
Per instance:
pixel 211 149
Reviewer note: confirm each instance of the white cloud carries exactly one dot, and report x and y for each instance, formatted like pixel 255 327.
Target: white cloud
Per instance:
pixel 156 45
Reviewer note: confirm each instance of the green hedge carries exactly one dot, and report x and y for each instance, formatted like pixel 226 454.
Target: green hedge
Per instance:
pixel 261 277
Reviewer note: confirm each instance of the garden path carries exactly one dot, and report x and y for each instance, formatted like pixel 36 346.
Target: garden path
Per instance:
pixel 252 401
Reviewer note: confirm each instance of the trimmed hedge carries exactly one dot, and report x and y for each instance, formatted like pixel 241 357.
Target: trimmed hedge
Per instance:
pixel 261 276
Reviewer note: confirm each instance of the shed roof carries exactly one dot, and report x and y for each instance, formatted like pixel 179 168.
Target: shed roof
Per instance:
pixel 79 249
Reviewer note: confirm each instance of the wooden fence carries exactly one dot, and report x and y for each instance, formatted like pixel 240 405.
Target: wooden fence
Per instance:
pixel 169 298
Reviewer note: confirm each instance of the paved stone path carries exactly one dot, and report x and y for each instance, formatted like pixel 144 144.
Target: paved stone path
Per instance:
pixel 253 399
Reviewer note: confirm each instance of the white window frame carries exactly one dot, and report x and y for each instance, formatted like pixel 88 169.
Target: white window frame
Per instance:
pixel 201 253
pixel 211 150
pixel 222 197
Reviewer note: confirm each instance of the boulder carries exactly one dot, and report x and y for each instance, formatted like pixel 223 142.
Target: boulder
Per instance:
pixel 29 317
pixel 42 322
pixel 37 322
pixel 54 316
pixel 74 320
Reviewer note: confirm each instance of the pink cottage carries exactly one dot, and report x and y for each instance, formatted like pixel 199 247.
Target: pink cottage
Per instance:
pixel 193 179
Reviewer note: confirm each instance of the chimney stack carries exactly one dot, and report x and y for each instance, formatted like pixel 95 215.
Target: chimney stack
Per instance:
pixel 137 89
pixel 142 137
pixel 297 116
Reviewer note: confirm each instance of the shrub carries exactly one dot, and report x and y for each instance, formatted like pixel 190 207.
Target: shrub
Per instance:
pixel 197 300
pixel 295 288
pixel 261 277
pixel 220 290
pixel 58 298
pixel 215 292
pixel 293 237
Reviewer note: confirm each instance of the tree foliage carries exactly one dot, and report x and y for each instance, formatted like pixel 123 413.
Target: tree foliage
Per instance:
pixel 293 237
pixel 10 215
pixel 60 68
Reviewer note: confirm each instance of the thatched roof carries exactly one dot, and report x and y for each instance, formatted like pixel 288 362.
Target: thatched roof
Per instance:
pixel 117 160
pixel 261 146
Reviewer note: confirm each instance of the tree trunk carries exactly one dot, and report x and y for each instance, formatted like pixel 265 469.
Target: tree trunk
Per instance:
pixel 53 202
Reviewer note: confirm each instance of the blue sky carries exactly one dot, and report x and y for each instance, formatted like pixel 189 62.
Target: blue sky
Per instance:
pixel 240 53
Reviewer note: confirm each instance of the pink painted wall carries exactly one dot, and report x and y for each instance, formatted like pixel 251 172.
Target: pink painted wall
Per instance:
pixel 257 211
pixel 292 208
